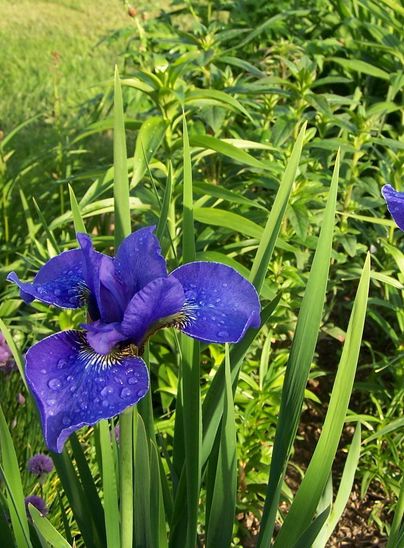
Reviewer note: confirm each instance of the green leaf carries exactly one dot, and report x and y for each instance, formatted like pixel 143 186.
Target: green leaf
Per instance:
pixel 165 206
pixel 344 490
pixel 15 495
pixel 229 220
pixel 304 504
pixel 310 534
pixel 227 149
pixel 357 65
pixel 109 486
pixel 121 184
pixel 149 138
pixel 79 225
pixel 273 224
pixel 223 503
pixel 15 352
pixel 143 533
pixel 188 252
pixel 300 359
pixel 46 532
pixel 218 97
pixel 157 514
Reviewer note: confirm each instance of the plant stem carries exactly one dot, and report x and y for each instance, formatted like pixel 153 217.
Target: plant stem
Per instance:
pixel 126 477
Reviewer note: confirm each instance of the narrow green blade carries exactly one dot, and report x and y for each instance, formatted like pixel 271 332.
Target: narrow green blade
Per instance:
pixel 300 359
pixel 188 235
pixel 109 485
pixel 223 504
pixel 311 533
pixel 273 225
pixel 143 534
pixel 76 213
pixel 304 504
pixel 121 183
pixel 148 140
pixel 344 490
pixel 46 532
pixel 157 515
pixel 11 473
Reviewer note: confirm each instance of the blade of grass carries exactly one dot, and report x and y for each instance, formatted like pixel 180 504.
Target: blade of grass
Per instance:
pixel 142 524
pixel 122 229
pixel 79 225
pixel 109 485
pixel 46 531
pixel 304 504
pixel 223 505
pixel 273 225
pixel 344 490
pixel 157 514
pixel 396 537
pixel 300 359
pixel 14 350
pixel 310 534
pixel 11 475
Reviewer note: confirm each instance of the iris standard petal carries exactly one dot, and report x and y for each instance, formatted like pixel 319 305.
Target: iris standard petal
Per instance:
pixel 395 204
pixel 138 260
pixel 154 306
pixel 74 386
pixel 221 305
pixel 59 282
pixel 99 272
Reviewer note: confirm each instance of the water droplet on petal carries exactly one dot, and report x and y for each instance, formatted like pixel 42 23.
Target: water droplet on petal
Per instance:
pixel 126 392
pixel 224 284
pixel 66 420
pixel 61 364
pixel 133 380
pixel 69 378
pixel 106 391
pixel 140 393
pixel 57 292
pixel 51 402
pixel 83 405
pixel 55 384
pixel 43 371
pixel 223 333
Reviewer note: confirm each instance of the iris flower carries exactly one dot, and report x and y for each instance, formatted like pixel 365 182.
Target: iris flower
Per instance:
pixel 395 204
pixel 79 377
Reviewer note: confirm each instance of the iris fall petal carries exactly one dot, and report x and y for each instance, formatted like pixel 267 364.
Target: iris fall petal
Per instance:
pixel 395 204
pixel 74 386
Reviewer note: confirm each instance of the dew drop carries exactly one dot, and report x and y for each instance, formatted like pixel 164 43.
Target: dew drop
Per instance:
pixel 43 371
pixel 83 406
pixel 57 292
pixel 224 284
pixel 126 392
pixel 55 384
pixel 61 364
pixel 69 378
pixel 51 402
pixel 66 420
pixel 132 380
pixel 106 391
pixel 223 333
pixel 140 393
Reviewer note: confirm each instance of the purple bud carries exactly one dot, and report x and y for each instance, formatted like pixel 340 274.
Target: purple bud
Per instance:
pixel 38 502
pixel 40 464
pixel 117 432
pixel 5 352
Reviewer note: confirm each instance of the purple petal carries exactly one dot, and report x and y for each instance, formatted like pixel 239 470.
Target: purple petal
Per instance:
pixel 220 303
pixel 138 260
pixel 102 337
pixel 395 204
pixel 100 276
pixel 59 282
pixel 159 299
pixel 74 386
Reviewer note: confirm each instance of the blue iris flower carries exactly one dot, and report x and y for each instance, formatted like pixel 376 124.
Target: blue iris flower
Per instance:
pixel 79 377
pixel 395 204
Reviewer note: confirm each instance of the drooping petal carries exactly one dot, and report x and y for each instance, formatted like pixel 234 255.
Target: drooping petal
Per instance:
pixel 59 282
pixel 99 272
pixel 138 260
pixel 221 305
pixel 103 337
pixel 74 386
pixel 159 299
pixel 395 204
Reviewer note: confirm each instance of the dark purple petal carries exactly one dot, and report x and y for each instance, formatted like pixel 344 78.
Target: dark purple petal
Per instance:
pixel 161 298
pixel 99 272
pixel 74 386
pixel 220 303
pixel 39 504
pixel 138 260
pixel 102 337
pixel 59 282
pixel 395 204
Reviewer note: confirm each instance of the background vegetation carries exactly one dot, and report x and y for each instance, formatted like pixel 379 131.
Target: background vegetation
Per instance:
pixel 247 74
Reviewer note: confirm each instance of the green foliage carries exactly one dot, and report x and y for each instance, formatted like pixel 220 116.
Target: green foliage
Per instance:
pixel 225 135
